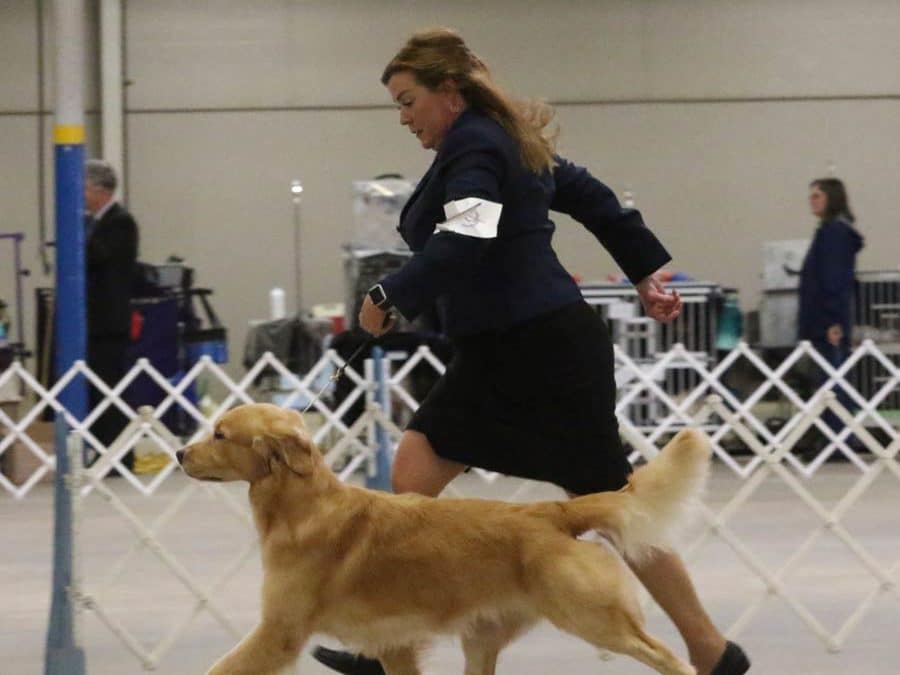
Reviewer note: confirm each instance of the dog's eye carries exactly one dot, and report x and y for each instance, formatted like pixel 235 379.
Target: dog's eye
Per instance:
pixel 218 435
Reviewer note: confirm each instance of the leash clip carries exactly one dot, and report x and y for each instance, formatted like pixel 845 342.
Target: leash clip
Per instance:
pixel 337 374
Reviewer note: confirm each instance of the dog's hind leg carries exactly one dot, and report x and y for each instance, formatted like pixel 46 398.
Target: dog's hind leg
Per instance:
pixel 588 591
pixel 647 649
pixel 400 661
pixel 484 639
pixel 613 629
pixel 617 630
pixel 268 650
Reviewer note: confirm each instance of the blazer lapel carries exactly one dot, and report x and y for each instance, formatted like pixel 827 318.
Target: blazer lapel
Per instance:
pixel 416 192
pixel 410 227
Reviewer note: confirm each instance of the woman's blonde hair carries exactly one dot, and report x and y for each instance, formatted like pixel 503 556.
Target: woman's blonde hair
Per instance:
pixel 439 54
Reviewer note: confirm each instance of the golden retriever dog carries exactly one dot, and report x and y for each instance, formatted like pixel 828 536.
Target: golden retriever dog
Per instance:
pixel 384 573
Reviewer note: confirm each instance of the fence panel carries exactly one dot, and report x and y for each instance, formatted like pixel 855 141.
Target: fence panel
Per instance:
pixel 760 423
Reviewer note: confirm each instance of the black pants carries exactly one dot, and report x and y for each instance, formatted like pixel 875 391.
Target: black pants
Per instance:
pixel 106 358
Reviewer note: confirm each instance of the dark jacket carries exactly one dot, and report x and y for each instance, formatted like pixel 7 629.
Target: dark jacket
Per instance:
pixel 491 283
pixel 827 280
pixel 111 267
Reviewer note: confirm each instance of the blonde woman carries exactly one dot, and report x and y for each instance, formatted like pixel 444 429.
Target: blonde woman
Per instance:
pixel 530 391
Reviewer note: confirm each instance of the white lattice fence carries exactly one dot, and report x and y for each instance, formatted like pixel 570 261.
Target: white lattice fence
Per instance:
pixel 869 442
pixel 146 426
pixel 723 413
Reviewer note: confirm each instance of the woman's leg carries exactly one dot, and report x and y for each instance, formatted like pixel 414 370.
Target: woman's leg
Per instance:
pixel 418 468
pixel 666 578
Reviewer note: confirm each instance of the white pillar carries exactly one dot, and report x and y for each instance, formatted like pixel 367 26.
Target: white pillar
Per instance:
pixel 111 81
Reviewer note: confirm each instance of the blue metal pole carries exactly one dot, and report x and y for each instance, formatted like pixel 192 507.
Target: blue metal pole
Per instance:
pixel 382 478
pixel 63 656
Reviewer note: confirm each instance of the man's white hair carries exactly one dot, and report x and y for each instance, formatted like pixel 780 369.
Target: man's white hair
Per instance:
pixel 100 173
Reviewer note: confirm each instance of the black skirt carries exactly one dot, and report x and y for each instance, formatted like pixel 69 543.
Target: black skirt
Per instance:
pixel 535 401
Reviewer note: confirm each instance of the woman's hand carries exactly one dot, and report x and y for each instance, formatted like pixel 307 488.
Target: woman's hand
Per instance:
pixel 657 303
pixel 375 320
pixel 834 334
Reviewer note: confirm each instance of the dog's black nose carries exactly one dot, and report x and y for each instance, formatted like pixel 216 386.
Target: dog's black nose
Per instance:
pixel 179 455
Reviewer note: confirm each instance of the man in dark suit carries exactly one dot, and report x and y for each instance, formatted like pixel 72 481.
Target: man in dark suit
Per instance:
pixel 111 266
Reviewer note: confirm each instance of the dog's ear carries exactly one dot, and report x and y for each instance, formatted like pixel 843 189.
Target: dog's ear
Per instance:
pixel 260 466
pixel 288 443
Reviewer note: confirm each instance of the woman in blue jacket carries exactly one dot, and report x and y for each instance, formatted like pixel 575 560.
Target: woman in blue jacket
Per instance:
pixel 530 391
pixel 827 279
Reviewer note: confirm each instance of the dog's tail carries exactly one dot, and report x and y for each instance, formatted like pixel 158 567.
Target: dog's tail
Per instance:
pixel 659 497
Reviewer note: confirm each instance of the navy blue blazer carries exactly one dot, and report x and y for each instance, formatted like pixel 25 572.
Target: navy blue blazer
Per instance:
pixel 481 283
pixel 827 281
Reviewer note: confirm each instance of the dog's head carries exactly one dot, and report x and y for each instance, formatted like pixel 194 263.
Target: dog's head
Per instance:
pixel 252 442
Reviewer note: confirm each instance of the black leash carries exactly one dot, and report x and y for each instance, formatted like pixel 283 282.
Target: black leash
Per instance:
pixel 339 373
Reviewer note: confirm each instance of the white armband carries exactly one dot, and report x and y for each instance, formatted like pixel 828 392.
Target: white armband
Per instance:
pixel 471 217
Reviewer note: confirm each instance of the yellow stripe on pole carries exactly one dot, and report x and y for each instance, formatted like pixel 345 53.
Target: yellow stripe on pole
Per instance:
pixel 68 134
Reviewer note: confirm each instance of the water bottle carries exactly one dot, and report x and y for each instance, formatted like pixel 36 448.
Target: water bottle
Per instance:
pixel 277 308
pixel 730 324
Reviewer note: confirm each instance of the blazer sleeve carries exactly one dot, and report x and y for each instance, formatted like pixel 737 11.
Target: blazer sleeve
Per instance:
pixel 621 231
pixel 471 166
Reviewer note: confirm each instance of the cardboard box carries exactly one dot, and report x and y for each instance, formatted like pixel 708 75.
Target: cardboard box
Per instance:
pixel 18 461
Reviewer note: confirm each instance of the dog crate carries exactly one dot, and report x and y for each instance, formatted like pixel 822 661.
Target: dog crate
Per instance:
pixel 373 246
pixel 644 339
pixel 377 205
pixel 363 268
pixel 876 316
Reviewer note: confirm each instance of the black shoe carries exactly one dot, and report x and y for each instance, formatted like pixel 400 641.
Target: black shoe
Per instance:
pixel 347 663
pixel 733 662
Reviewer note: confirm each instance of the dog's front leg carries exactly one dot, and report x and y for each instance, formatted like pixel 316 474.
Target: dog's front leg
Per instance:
pixel 485 638
pixel 269 650
pixel 401 661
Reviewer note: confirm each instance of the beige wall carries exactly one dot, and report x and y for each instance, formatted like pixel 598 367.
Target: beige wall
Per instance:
pixel 716 113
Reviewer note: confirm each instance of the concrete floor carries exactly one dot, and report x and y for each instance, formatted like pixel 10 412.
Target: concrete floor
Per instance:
pixel 205 536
